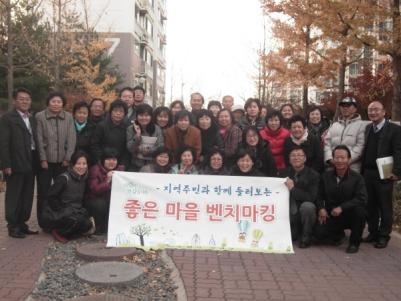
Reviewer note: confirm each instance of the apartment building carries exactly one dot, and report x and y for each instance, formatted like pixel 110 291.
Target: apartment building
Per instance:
pixel 136 31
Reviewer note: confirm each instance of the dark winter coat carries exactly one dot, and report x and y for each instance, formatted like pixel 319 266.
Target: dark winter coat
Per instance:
pixel 306 186
pixel 15 143
pixel 207 170
pixel 349 193
pixel 389 144
pixel 254 172
pixel 232 141
pixel 84 137
pixel 244 123
pixel 97 183
pixel 211 140
pixel 108 134
pixel 312 149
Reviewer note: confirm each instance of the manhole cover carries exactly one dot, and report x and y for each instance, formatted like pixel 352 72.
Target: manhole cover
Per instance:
pixel 102 298
pixel 109 273
pixel 99 252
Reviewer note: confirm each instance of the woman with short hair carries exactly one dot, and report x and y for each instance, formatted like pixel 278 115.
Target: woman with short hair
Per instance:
pixel 143 137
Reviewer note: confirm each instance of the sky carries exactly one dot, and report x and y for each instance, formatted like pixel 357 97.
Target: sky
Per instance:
pixel 212 48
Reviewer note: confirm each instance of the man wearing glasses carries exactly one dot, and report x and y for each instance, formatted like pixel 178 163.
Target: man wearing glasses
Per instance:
pixel 383 139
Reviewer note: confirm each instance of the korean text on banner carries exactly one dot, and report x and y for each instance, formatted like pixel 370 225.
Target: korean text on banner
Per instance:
pixel 199 212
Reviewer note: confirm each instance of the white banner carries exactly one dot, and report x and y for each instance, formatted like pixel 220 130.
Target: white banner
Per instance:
pixel 199 212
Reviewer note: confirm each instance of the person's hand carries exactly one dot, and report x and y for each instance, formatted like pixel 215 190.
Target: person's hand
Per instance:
pixel 44 164
pixel 289 183
pixel 7 171
pixel 393 177
pixel 322 216
pixel 66 163
pixel 137 129
pixel 336 211
pixel 109 176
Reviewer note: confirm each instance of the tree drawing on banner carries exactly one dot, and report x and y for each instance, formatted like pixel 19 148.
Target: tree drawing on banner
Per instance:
pixel 141 230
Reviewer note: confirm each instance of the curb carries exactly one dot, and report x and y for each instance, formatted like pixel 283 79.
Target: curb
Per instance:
pixel 175 277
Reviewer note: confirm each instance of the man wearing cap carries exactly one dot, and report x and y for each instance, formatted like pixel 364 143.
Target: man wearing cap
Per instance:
pixel 238 113
pixel 383 139
pixel 349 130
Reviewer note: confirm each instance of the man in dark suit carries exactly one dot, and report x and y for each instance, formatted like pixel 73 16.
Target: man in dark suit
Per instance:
pixel 18 157
pixel 383 139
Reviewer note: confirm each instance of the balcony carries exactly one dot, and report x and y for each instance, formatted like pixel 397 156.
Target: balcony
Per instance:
pixel 163 39
pixel 163 14
pixel 143 6
pixel 144 40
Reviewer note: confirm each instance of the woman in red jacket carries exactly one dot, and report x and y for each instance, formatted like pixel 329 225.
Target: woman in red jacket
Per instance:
pixel 275 135
pixel 98 200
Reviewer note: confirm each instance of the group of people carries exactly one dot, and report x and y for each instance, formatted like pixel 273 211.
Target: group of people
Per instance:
pixel 330 167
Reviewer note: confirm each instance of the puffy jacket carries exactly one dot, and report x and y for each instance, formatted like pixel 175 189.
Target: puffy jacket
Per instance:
pixel 276 144
pixel 350 133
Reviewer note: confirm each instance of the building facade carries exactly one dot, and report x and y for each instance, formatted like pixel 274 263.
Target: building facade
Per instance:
pixel 136 31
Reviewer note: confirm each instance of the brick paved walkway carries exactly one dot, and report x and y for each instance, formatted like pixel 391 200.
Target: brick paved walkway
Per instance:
pixel 20 260
pixel 318 273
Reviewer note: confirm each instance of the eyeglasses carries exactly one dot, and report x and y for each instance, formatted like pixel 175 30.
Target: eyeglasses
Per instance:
pixel 347 105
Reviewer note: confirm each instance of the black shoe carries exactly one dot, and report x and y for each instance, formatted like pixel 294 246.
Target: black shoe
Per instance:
pixel 25 229
pixel 16 233
pixel 303 244
pixel 370 238
pixel 352 248
pixel 381 243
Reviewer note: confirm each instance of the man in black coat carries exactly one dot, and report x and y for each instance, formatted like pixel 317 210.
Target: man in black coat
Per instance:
pixel 303 184
pixel 19 161
pixel 341 201
pixel 383 139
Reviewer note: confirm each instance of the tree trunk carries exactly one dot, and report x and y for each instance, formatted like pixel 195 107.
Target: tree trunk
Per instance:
pixel 396 103
pixel 10 56
pixel 305 103
pixel 142 240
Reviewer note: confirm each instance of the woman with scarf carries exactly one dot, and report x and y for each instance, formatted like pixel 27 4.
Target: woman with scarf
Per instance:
pixel 299 136
pixel 275 135
pixel 317 123
pixel 181 134
pixel 84 129
pixel 211 138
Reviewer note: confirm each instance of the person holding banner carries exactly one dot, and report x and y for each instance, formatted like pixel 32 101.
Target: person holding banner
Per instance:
pixel 161 162
pixel 341 201
pixel 215 164
pixel 303 184
pixel 99 184
pixel 245 165
pixel 186 162
pixel 143 137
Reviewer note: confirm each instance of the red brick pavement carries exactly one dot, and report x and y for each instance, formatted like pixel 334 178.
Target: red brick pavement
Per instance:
pixel 317 273
pixel 20 260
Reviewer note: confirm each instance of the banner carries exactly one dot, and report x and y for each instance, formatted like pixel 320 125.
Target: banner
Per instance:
pixel 199 212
